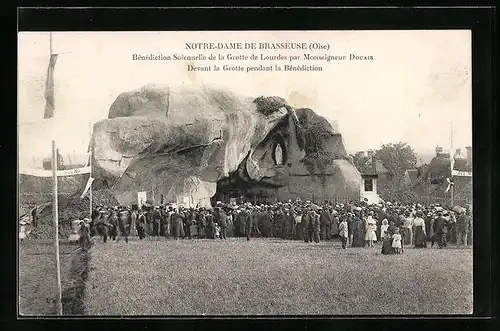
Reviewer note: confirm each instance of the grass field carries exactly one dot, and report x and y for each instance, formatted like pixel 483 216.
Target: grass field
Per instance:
pixel 37 281
pixel 273 277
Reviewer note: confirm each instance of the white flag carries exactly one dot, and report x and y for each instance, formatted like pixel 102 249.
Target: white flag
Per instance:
pixel 89 182
pixel 450 183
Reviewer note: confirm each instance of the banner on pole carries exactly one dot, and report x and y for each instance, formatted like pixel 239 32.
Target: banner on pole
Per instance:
pixel 89 182
pixel 462 173
pixel 142 197
pixel 60 173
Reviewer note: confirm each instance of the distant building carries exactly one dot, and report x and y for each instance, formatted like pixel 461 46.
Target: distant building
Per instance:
pixel 431 180
pixel 47 164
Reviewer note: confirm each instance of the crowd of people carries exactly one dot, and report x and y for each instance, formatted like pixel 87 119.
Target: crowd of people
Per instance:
pixel 356 224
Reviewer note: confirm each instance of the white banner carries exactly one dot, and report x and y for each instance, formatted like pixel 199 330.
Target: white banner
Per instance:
pixel 462 173
pixel 60 173
pixel 142 197
pixel 89 182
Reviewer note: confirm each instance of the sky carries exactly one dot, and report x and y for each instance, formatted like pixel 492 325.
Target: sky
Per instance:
pixel 418 83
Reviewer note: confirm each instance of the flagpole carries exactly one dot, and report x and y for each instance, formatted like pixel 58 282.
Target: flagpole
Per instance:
pixel 56 228
pixel 50 42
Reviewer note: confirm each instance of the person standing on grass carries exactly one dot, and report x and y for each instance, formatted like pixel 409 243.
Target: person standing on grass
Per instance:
pixel 210 225
pixel 343 232
pixel 289 224
pixel 84 234
pixel 124 223
pixel 419 231
pixel 230 223
pixel 201 223
pixel 141 225
pixel 113 221
pixel 468 216
pixel 221 220
pixel 306 223
pixel 408 229
pixel 326 223
pixel 439 228
pixel 461 228
pixel 397 242
pixel 299 231
pixel 371 227
pixel 316 226
pixel 176 225
pixel 249 223
pixel 357 232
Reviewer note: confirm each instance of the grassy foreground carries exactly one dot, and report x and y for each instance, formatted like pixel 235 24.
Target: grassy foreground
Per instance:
pixel 37 278
pixel 273 277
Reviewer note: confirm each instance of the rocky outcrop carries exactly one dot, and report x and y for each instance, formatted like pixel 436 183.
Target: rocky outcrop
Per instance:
pixel 179 141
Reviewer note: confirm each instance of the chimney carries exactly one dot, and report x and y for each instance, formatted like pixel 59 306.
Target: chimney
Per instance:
pixel 469 155
pixel 371 152
pixel 439 150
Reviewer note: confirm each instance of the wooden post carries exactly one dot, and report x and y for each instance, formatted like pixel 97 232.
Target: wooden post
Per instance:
pixel 56 228
pixel 50 43
pixel 90 165
pixel 452 161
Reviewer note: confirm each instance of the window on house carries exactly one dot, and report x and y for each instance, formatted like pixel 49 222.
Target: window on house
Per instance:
pixel 368 185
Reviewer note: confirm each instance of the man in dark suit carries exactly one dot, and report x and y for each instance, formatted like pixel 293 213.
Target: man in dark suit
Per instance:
pixel 247 216
pixel 221 219
pixel 439 228
pixel 326 223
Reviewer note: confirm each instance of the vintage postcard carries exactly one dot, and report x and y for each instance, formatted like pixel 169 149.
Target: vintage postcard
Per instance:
pixel 233 173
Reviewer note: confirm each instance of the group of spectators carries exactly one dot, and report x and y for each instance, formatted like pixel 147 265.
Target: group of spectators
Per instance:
pixel 356 224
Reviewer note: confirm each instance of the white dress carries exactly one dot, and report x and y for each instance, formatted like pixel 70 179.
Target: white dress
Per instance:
pixel 370 232
pixel 396 242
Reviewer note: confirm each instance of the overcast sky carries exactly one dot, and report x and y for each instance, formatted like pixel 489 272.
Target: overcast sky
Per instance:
pixel 417 83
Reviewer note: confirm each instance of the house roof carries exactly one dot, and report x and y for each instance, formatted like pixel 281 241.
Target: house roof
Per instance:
pixel 439 167
pixel 412 174
pixel 372 166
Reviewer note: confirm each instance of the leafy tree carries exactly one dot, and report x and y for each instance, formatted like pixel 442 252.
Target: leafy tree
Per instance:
pixel 397 158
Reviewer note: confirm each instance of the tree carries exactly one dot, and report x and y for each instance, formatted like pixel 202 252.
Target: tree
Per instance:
pixel 397 158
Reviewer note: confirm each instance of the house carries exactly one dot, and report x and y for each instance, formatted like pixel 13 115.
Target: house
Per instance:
pixel 373 174
pixel 411 176
pixel 433 179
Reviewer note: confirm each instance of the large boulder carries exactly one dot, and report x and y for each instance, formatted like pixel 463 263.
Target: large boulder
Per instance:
pixel 180 141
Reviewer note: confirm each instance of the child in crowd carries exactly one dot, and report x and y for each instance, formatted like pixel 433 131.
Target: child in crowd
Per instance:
pixel 217 231
pixel 396 242
pixel 371 227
